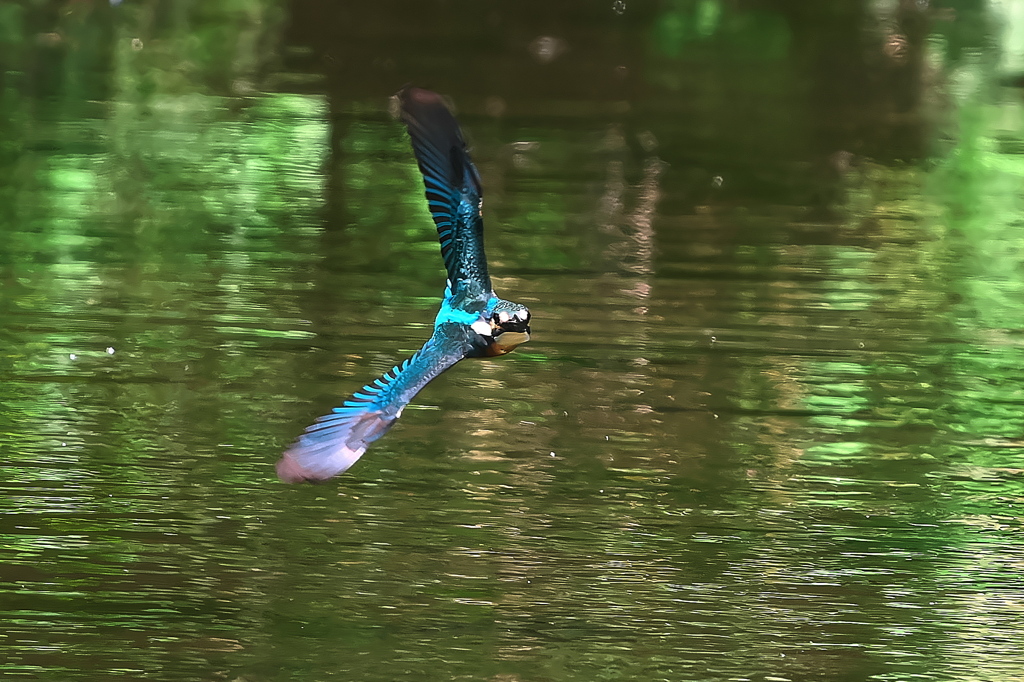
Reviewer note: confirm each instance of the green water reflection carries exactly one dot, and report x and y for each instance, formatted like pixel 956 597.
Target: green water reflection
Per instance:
pixel 770 426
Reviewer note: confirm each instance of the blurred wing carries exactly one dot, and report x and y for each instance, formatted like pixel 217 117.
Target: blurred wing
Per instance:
pixel 335 441
pixel 452 183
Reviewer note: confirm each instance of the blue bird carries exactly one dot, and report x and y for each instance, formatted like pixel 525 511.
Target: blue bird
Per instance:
pixel 473 322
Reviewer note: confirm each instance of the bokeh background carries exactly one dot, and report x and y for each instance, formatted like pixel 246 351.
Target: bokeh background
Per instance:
pixel 770 426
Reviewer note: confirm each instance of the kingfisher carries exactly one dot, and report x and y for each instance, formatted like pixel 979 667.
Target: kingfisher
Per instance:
pixel 472 322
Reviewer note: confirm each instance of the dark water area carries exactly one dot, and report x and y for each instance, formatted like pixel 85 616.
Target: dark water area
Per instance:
pixel 769 427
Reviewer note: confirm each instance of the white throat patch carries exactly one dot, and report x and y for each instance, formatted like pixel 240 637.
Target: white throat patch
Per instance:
pixel 481 327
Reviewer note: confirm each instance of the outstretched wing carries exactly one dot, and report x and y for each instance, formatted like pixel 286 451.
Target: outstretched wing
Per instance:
pixel 335 441
pixel 452 183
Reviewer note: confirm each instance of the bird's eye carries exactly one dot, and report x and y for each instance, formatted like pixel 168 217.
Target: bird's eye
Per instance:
pixel 516 321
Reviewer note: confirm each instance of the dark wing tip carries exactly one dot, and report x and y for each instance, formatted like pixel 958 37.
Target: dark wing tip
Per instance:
pixel 412 98
pixel 431 120
pixel 439 147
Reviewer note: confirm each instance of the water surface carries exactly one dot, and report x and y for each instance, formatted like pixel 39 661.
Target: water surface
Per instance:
pixel 769 426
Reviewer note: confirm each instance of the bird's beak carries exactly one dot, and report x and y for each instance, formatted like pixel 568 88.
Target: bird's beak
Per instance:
pixel 506 342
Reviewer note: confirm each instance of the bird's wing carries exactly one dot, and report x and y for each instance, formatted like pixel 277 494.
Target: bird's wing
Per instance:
pixel 335 441
pixel 452 183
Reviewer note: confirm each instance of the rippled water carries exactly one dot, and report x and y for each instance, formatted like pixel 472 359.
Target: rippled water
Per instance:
pixel 769 427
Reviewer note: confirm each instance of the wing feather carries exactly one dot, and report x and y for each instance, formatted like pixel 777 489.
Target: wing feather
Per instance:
pixel 452 185
pixel 335 441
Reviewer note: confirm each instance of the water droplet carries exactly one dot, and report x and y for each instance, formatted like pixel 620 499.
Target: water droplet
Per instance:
pixel 547 48
pixel 619 7
pixel 648 141
pixel 495 106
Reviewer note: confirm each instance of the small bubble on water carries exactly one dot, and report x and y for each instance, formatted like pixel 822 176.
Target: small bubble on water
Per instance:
pixel 110 350
pixel 495 106
pixel 547 48
pixel 136 44
pixel 717 181
pixel 552 454
pixel 648 141
pixel 72 356
pixel 619 7
pixel 861 344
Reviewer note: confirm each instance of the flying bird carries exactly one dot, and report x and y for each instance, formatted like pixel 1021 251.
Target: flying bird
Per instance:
pixel 472 322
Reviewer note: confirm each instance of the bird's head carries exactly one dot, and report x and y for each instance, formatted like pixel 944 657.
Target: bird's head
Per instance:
pixel 510 327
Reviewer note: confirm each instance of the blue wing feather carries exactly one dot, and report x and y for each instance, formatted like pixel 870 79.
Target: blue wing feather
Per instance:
pixel 452 186
pixel 335 441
